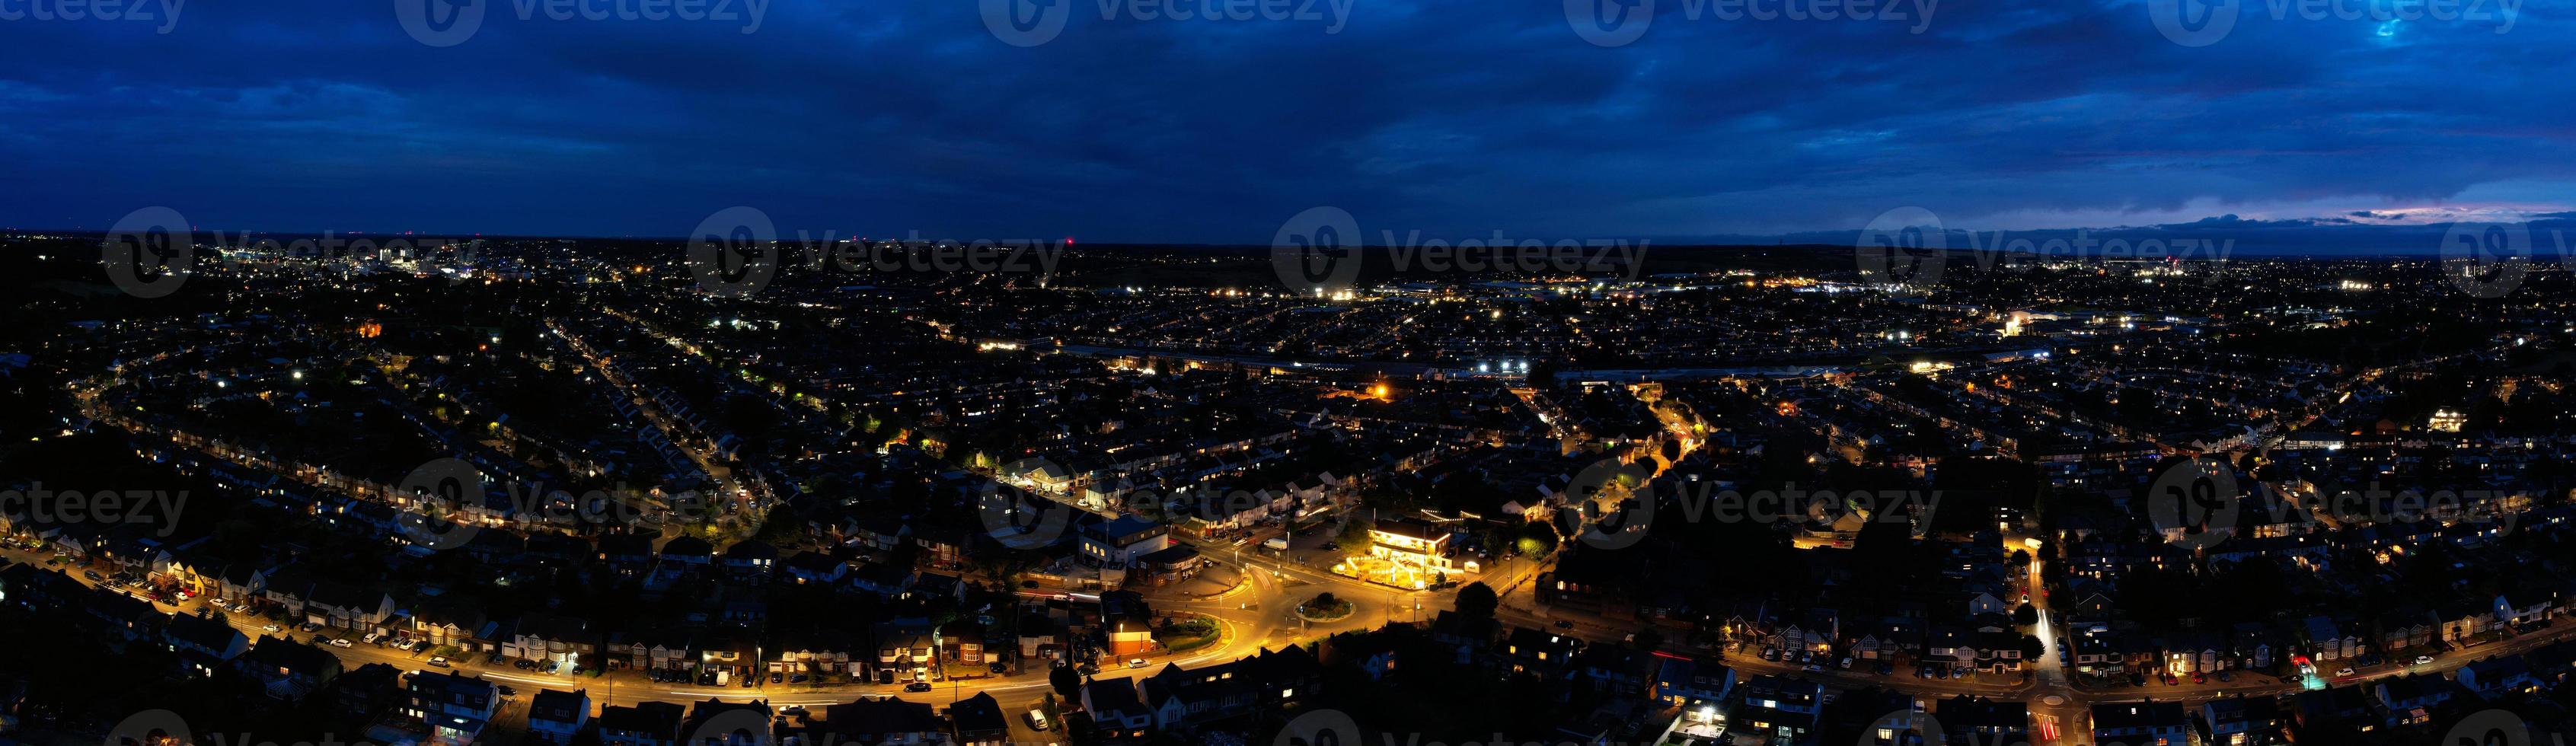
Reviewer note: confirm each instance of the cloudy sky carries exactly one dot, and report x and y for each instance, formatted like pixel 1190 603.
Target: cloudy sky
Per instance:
pixel 1119 123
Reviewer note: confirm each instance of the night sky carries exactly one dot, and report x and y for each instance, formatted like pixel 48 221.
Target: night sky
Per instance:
pixel 1455 117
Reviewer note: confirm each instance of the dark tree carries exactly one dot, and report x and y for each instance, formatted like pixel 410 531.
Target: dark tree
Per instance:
pixel 1477 601
pixel 1066 683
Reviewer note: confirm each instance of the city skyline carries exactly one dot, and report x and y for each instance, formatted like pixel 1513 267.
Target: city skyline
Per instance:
pixel 1287 373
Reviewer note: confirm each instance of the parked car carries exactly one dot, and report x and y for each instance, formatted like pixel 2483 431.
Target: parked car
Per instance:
pixel 268 628
pixel 1565 624
pixel 1812 668
pixel 1135 663
pixel 371 638
pixel 438 661
pixel 1846 662
pixel 1885 668
pixel 917 686
pixel 777 676
pixel 999 667
pixel 93 576
pixel 2423 659
pixel 339 642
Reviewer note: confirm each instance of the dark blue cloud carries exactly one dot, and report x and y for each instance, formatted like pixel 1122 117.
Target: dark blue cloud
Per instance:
pixel 1456 117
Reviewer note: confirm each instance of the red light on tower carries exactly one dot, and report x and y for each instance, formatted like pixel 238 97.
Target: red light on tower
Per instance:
pixel 1068 240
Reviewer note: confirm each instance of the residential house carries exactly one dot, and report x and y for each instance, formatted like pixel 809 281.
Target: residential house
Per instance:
pixel 204 645
pixel 979 721
pixel 715 722
pixel 645 724
pixel 554 717
pixel 2148 723
pixel 1778 709
pixel 890 721
pixel 2410 700
pixel 2244 721
pixel 289 670
pixel 2495 677
pixel 1116 709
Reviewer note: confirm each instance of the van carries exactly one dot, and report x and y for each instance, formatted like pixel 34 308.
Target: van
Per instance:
pixel 1037 719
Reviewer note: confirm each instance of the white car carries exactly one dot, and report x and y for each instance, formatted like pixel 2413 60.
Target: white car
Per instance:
pixel 268 628
pixel 2423 659
pixel 339 642
pixel 2344 671
pixel 371 638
